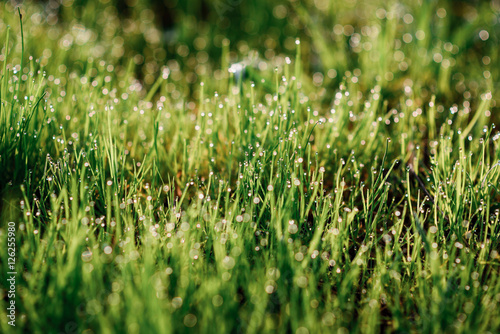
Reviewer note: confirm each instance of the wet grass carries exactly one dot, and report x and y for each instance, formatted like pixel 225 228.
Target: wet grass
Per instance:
pixel 275 202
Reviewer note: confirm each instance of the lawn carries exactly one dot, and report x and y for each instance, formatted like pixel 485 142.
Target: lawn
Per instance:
pixel 237 166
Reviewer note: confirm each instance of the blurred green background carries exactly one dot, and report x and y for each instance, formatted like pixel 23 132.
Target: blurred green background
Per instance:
pixel 448 48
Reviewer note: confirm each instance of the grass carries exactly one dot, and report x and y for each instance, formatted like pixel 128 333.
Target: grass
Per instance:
pixel 278 203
